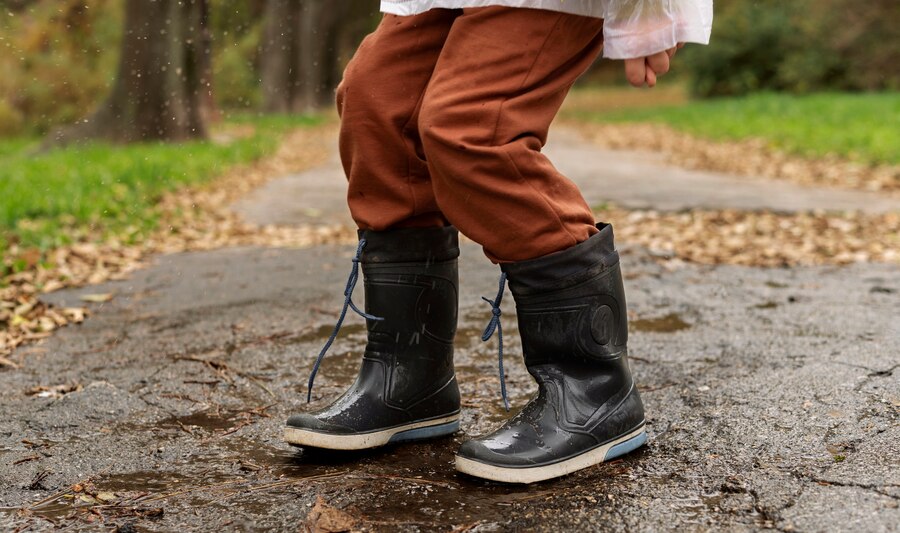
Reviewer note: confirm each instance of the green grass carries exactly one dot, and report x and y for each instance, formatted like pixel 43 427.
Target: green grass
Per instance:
pixel 861 127
pixel 46 199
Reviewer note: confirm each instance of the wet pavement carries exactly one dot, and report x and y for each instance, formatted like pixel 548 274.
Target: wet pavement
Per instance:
pixel 772 397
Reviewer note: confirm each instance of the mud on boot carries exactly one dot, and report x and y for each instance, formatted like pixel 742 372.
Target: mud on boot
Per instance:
pixel 573 324
pixel 406 388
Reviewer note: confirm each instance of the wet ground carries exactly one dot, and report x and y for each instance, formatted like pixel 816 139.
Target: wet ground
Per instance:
pixel 772 395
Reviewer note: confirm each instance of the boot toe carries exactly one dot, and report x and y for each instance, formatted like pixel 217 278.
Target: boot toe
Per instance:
pixel 476 450
pixel 309 422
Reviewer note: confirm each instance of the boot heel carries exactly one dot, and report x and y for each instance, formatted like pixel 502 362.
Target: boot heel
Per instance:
pixel 632 442
pixel 426 433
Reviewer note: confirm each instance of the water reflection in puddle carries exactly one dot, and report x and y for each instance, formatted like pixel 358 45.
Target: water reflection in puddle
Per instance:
pixel 665 324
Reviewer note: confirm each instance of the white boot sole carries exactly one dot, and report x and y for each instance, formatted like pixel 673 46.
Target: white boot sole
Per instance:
pixel 610 450
pixel 361 441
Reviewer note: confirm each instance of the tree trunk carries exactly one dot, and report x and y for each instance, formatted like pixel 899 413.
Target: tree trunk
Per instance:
pixel 348 34
pixel 305 46
pixel 315 26
pixel 278 51
pixel 209 109
pixel 163 87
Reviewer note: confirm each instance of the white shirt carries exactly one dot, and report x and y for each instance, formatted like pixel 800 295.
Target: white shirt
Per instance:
pixel 631 28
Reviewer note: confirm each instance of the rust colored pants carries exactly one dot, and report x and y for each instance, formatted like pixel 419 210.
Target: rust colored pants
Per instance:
pixel 443 117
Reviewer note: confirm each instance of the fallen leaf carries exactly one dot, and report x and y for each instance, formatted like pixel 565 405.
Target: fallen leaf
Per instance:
pixel 56 391
pixel 106 497
pixel 31 257
pixel 324 518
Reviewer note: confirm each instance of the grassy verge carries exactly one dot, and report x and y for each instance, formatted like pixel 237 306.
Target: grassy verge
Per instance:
pixel 53 198
pixel 860 127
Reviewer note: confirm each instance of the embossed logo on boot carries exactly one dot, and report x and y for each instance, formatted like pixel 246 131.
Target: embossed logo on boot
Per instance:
pixel 602 325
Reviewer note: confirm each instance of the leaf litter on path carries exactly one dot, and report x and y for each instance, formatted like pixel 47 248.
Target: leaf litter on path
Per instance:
pixel 750 159
pixel 195 218
pixel 200 218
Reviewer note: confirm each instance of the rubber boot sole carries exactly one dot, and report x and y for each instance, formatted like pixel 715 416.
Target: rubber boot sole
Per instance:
pixel 437 427
pixel 533 474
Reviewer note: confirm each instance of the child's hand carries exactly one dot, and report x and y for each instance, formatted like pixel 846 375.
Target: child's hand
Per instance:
pixel 645 70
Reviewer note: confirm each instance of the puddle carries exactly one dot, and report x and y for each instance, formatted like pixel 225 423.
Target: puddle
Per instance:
pixel 132 494
pixel 398 486
pixel 253 455
pixel 665 324
pixel 878 289
pixel 149 481
pixel 341 363
pixel 342 368
pixel 416 484
pixel 406 486
pixel 321 333
pixel 210 421
pixel 403 486
pixel 338 371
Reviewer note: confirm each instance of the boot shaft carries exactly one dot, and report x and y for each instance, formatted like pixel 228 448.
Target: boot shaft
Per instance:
pixel 571 305
pixel 411 282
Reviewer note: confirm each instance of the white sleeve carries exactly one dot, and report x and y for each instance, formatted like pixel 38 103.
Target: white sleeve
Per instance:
pixel 638 28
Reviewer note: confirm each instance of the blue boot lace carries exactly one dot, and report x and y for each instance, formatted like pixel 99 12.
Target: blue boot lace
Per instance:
pixel 493 325
pixel 348 303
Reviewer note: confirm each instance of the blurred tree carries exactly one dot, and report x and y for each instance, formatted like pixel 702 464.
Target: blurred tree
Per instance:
pixel 236 27
pixel 163 86
pixel 278 50
pixel 799 46
pixel 57 59
pixel 14 6
pixel 305 45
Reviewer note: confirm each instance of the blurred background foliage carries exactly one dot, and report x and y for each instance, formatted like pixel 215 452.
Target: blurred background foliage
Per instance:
pixel 59 56
pixel 798 46
pixel 227 78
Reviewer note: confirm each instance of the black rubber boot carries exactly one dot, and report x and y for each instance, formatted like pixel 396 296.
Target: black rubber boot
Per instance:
pixel 406 388
pixel 574 330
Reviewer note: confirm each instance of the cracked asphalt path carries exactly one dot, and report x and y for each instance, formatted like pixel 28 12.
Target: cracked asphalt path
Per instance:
pixel 772 398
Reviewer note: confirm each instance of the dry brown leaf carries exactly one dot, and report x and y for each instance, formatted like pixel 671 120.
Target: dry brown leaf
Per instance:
pixel 324 518
pixel 56 391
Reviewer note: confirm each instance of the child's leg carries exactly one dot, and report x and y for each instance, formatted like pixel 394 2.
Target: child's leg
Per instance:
pixel 498 84
pixel 500 80
pixel 406 388
pixel 379 100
